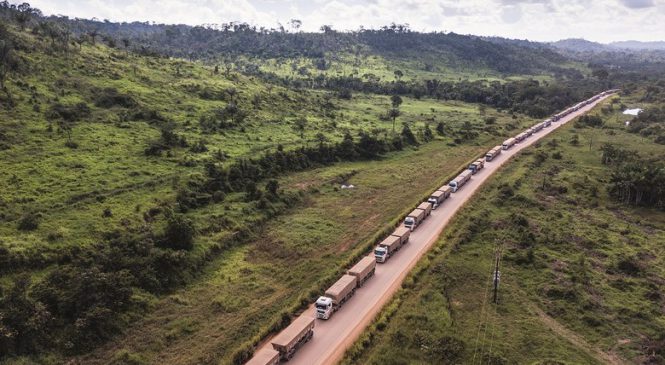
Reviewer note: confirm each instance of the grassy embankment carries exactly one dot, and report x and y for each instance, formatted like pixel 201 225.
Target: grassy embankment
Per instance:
pixel 581 275
pixel 249 288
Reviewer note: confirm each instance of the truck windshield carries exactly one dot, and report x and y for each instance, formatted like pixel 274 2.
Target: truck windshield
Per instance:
pixel 379 252
pixel 321 306
pixel 408 220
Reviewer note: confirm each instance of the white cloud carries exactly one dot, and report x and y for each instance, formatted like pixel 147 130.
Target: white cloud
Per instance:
pixel 544 20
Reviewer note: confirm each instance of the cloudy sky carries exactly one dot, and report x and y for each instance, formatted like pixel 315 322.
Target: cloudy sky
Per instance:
pixel 541 20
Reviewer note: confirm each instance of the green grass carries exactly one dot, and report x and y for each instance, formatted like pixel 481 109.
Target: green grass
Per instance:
pixel 562 297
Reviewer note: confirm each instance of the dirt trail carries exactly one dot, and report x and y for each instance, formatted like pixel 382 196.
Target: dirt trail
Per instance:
pixel 576 339
pixel 334 336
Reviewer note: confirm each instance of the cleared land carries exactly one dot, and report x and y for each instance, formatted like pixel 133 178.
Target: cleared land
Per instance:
pixel 579 272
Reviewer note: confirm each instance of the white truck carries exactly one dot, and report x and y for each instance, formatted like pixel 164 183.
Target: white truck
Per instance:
pixel 460 180
pixel 364 269
pixel 387 248
pixel 335 296
pixel 436 198
pixel 413 220
pixel 292 337
pixel 508 143
pixel 491 154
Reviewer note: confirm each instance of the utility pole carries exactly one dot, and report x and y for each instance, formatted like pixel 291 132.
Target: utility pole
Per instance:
pixel 497 277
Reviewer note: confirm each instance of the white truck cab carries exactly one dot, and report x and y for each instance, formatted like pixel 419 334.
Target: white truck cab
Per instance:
pixel 381 254
pixel 409 222
pixel 324 307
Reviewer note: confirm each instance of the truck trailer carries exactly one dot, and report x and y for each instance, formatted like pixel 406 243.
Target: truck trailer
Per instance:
pixel 476 166
pixel 265 356
pixel 436 198
pixel 491 154
pixel 446 189
pixel 414 219
pixel 335 296
pixel 508 143
pixel 460 180
pixel 427 207
pixel 403 233
pixel 292 337
pixel 387 248
pixel 363 270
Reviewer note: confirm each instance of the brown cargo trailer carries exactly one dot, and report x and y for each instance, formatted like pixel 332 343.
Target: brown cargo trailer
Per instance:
pixel 403 233
pixel 414 219
pixel 292 337
pixel 342 290
pixel 436 198
pixel 447 190
pixel 427 207
pixel 508 143
pixel 364 269
pixel 266 356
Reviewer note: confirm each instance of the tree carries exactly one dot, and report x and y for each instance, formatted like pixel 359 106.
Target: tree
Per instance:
pixel 408 136
pixel 393 113
pixel 295 24
pixel 396 101
pixel 125 43
pixel 93 33
pixel 440 128
pixel 7 60
pixel 398 74
pixel 24 14
pixel 300 125
pixel 179 232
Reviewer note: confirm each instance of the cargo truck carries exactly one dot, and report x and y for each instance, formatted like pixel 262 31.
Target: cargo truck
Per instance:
pixel 427 207
pixel 460 180
pixel 520 137
pixel 414 219
pixel 476 166
pixel 489 156
pixel 508 143
pixel 447 190
pixel 403 233
pixel 335 296
pixel 547 123
pixel 436 198
pixel 292 337
pixel 387 248
pixel 363 270
pixel 265 356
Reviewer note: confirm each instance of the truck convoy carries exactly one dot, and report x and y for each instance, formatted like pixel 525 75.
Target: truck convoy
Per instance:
pixel 286 343
pixel 460 180
pixel 292 337
pixel 477 165
pixel 335 296
pixel 414 218
pixel 387 248
pixel 491 154
pixel 363 270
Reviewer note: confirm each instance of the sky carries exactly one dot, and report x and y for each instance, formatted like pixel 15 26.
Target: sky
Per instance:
pixel 539 20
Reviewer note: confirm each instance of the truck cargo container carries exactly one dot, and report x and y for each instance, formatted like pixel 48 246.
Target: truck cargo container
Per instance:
pixel 414 219
pixel 489 156
pixel 403 233
pixel 476 166
pixel 387 248
pixel 364 269
pixel 436 198
pixel 292 337
pixel 508 143
pixel 427 207
pixel 446 189
pixel 265 356
pixel 520 137
pixel 335 296
pixel 460 180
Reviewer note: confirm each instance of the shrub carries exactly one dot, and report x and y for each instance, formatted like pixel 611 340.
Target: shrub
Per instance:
pixel 29 221
pixel 110 97
pixel 179 232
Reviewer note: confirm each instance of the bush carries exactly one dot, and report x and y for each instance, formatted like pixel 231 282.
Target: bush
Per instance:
pixel 110 97
pixel 179 233
pixel 29 221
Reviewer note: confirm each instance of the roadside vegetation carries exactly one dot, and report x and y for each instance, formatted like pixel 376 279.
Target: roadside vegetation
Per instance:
pixel 581 265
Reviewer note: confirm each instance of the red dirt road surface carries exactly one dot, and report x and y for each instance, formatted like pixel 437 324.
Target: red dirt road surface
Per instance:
pixel 332 337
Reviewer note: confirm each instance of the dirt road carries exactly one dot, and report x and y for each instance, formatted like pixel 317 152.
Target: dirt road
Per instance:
pixel 334 336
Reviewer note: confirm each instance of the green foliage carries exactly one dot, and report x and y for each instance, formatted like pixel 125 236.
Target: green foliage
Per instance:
pixel 179 232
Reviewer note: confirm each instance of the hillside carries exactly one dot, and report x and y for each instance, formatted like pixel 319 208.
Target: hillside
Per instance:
pixel 581 265
pixel 154 172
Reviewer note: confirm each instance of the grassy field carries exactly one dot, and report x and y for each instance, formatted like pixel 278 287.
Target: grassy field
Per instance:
pixel 108 182
pixel 580 273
